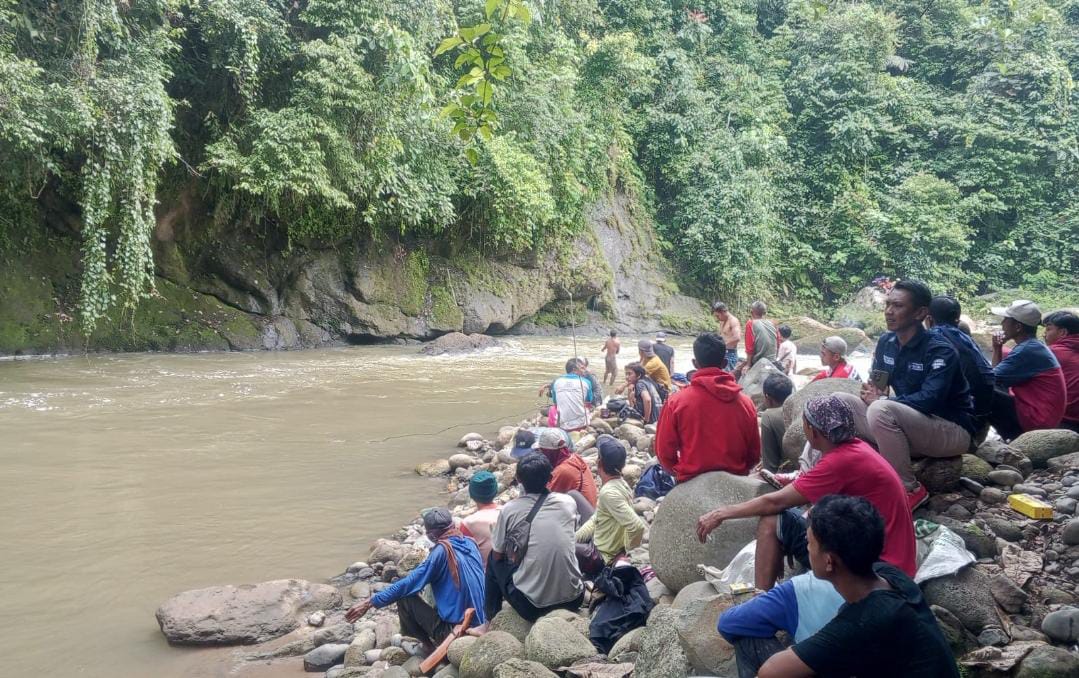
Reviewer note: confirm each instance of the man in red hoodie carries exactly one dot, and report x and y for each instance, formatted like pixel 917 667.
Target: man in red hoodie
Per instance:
pixel 710 425
pixel 1062 335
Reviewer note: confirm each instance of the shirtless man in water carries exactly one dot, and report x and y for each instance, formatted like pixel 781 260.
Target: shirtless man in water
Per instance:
pixel 731 331
pixel 611 347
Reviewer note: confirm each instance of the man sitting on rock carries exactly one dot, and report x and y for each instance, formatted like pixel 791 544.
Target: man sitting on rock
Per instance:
pixel 454 571
pixel 615 529
pixel 931 413
pixel 847 466
pixel 800 606
pixel 482 488
pixel 886 627
pixel 711 425
pixel 570 472
pixel 642 394
pixel 1062 335
pixel 777 388
pixel 943 320
pixel 547 577
pixel 1030 393
pixel 833 357
pixel 654 367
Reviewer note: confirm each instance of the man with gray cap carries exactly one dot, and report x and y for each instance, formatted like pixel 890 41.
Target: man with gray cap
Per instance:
pixel 848 466
pixel 654 367
pixel 455 572
pixel 833 357
pixel 1030 388
pixel 665 352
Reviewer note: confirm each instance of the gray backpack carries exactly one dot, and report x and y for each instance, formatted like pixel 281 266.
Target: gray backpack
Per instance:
pixel 516 542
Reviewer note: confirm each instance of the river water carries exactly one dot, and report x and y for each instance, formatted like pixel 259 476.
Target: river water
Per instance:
pixel 126 479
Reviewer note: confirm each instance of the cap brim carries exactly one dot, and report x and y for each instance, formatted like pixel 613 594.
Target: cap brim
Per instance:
pixel 1002 311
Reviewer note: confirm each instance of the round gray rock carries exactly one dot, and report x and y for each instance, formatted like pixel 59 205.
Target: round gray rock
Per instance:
pixel 1071 532
pixel 1041 446
pixel 966 595
pixel 523 668
pixel 661 654
pixel 698 606
pixel 674 548
pixel 1062 625
pixel 512 623
pixel 975 468
pixel 797 400
pixel 488 652
pixel 554 643
pixel 251 613
pixel 459 648
pixel 324 657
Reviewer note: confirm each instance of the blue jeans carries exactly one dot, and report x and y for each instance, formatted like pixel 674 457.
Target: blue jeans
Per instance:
pixel 732 359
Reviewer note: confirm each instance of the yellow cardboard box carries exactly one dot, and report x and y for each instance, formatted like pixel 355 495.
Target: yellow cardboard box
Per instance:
pixel 1030 506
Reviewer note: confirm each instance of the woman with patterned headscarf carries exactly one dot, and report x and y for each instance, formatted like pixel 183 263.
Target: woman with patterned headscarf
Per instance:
pixel 454 571
pixel 848 466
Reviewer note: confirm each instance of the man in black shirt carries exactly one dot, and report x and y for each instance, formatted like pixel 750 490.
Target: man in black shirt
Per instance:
pixel 885 628
pixel 665 352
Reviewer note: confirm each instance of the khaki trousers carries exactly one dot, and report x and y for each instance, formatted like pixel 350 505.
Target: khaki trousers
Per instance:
pixel 902 432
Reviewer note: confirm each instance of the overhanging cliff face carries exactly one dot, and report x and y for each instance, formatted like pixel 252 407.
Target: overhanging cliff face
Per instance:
pixel 242 295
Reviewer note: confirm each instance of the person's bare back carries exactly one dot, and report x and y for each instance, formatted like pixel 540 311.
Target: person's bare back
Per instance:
pixel 612 346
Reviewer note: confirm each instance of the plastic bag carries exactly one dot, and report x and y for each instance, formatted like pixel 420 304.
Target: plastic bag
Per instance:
pixel 738 571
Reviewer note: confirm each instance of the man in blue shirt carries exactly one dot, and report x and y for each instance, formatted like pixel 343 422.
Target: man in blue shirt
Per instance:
pixel 931 413
pixel 454 571
pixel 944 314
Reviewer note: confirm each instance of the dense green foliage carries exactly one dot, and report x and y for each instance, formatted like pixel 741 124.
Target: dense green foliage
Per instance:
pixel 787 148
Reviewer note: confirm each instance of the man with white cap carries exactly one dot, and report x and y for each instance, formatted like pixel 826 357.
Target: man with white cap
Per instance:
pixel 1030 390
pixel 833 357
pixel 663 351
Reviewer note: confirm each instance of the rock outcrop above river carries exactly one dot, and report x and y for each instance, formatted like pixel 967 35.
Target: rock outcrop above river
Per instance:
pixel 458 342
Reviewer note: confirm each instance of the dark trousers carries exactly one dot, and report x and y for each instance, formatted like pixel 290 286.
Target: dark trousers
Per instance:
pixel 751 653
pixel 421 621
pixel 499 586
pixel 792 535
pixel 1003 417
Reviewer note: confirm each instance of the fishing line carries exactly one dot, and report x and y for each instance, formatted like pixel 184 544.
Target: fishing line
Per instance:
pixel 453 426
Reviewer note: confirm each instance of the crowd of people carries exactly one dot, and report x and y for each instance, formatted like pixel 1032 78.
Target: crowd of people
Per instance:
pixel 844 515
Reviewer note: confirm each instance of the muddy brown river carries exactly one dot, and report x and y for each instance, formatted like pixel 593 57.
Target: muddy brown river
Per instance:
pixel 126 479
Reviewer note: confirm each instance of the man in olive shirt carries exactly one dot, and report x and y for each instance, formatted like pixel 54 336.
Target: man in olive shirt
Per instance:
pixel 777 388
pixel 615 528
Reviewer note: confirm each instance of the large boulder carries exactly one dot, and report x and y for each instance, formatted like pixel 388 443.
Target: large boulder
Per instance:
pixel 458 342
pixel 1041 446
pixel 674 548
pixel 493 648
pixel 661 654
pixel 792 409
pixel 966 595
pixel 698 607
pixel 459 648
pixel 324 657
pixel 752 382
pixel 250 613
pixel 794 441
pixel 938 474
pixel 523 668
pixel 554 642
pixel 512 623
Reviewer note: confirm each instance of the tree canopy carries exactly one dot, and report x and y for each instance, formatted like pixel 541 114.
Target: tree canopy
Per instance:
pixel 784 148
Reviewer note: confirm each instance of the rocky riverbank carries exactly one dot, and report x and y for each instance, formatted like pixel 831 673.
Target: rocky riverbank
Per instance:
pixel 1014 611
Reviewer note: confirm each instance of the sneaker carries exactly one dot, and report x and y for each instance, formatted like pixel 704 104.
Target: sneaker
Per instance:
pixel 917 497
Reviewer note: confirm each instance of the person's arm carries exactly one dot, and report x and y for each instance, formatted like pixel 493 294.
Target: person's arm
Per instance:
pixel 585 532
pixel 764 505
pixel 413 582
pixel 998 347
pixel 761 617
pixel 785 664
pixel 563 479
pixel 941 365
pixel 646 404
pixel 667 443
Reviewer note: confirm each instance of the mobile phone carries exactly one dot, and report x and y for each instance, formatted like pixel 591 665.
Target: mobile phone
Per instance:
pixel 879 379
